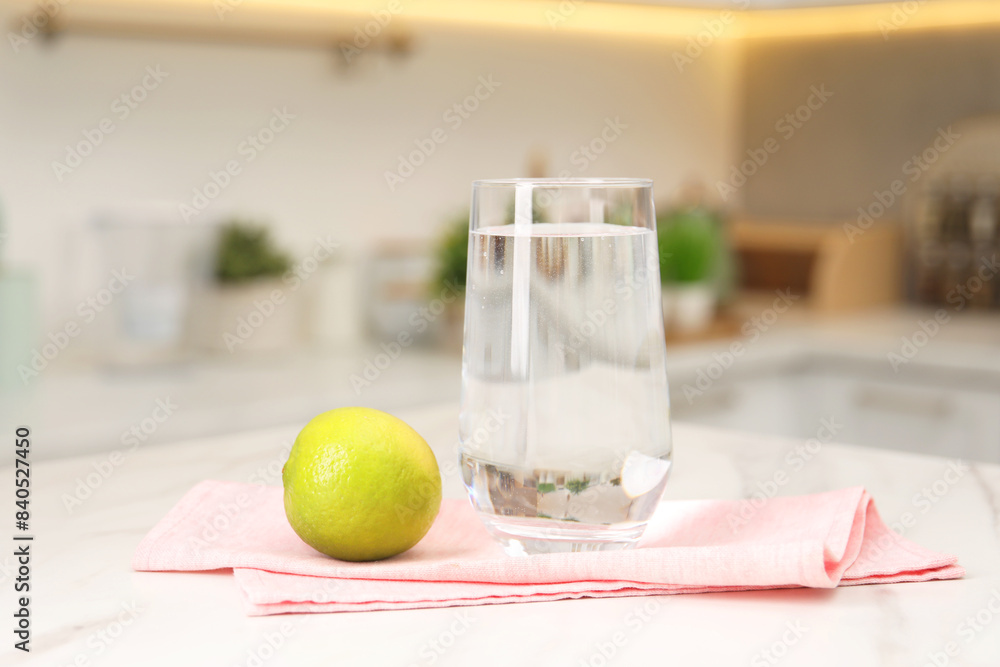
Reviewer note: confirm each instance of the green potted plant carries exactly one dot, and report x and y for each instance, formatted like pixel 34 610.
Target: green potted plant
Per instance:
pixel 250 308
pixel 452 256
pixel 247 253
pixel 451 259
pixel 690 244
pixel 452 253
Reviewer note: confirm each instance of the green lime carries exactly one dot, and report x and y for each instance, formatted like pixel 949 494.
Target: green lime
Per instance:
pixel 360 485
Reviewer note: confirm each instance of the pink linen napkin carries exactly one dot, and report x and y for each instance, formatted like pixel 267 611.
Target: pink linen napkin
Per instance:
pixel 821 541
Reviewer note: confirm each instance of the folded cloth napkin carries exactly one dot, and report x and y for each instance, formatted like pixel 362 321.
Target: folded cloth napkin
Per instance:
pixel 820 541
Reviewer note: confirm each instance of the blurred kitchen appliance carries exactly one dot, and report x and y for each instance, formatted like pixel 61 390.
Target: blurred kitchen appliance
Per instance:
pixel 162 259
pixel 399 276
pixel 830 265
pixel 953 222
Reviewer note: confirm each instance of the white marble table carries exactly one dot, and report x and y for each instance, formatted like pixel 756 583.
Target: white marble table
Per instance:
pixel 90 608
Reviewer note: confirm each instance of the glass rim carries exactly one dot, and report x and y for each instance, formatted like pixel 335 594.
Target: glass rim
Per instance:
pixel 565 182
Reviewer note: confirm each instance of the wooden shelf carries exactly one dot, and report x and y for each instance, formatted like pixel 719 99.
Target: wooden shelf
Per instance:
pixel 725 325
pixel 835 266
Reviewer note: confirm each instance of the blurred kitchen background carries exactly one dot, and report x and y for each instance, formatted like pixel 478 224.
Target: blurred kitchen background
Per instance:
pixel 222 215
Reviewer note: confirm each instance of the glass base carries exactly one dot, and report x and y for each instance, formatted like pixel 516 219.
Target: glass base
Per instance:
pixel 525 537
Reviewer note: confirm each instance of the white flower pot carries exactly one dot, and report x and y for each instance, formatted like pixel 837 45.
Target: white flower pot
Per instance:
pixel 667 297
pixel 262 315
pixel 691 306
pixel 453 331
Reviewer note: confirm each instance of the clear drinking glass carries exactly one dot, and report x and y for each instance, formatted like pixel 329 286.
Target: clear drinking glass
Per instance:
pixel 565 422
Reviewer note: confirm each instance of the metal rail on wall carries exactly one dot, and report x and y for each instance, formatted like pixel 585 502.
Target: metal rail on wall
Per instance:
pixel 349 34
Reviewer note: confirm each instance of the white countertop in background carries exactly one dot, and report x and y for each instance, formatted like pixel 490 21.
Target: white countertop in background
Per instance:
pixel 84 589
pixel 81 409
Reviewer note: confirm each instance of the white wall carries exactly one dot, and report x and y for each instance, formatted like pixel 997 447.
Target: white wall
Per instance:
pixel 324 174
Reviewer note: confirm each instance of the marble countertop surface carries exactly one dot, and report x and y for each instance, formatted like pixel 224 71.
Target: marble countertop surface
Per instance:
pixel 89 608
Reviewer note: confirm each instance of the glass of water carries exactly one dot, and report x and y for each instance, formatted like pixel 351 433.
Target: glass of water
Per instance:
pixel 565 421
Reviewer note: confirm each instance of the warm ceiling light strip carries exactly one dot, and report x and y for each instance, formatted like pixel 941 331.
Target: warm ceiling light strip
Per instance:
pixel 552 16
pixel 546 15
pixel 887 19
